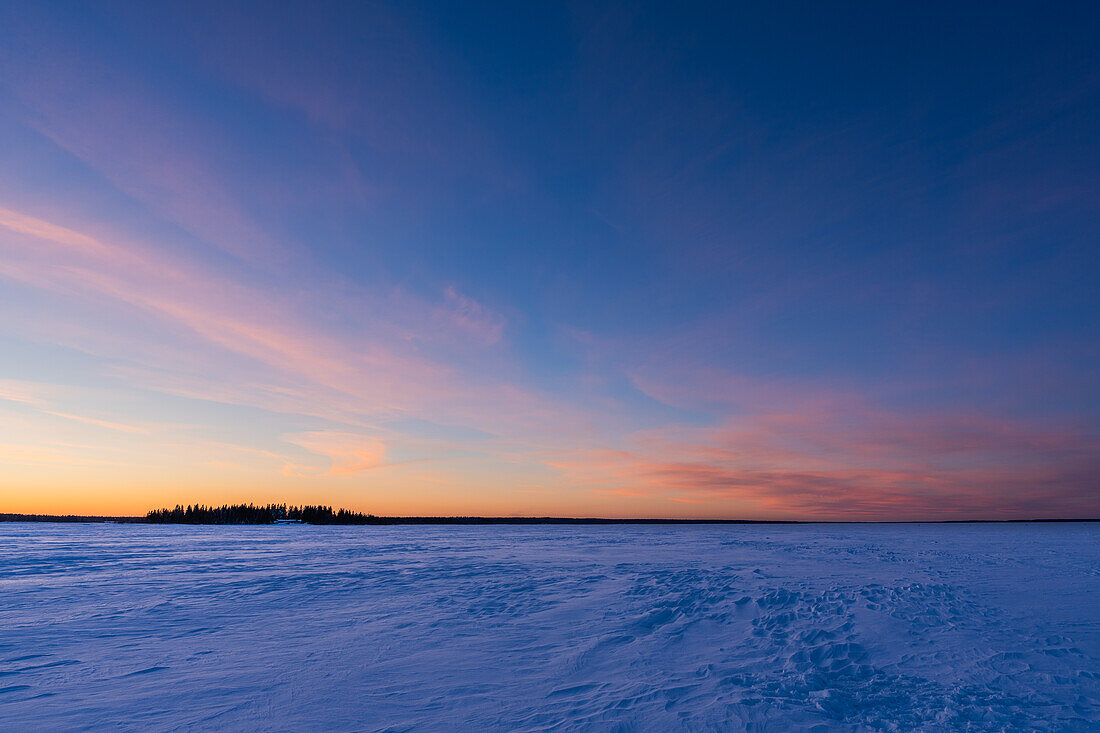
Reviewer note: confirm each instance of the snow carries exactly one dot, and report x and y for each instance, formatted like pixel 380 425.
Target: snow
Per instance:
pixel 843 627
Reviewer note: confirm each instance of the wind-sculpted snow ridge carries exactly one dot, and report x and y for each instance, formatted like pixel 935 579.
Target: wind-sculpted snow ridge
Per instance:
pixel 650 628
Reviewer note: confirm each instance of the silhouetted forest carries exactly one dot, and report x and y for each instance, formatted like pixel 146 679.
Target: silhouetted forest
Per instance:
pixel 252 514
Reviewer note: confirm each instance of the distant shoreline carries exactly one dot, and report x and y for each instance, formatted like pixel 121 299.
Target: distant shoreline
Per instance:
pixel 471 521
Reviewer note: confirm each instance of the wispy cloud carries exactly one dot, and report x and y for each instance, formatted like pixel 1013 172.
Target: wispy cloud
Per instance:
pixel 109 424
pixel 472 319
pixel 347 453
pixel 246 346
pixel 41 397
pixel 785 450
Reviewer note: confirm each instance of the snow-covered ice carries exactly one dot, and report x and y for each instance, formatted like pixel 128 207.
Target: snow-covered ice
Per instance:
pixel 845 627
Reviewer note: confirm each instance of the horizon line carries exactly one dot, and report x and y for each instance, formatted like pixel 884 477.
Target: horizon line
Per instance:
pixel 475 519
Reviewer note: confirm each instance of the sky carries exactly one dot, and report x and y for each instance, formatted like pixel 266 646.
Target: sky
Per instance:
pixel 742 260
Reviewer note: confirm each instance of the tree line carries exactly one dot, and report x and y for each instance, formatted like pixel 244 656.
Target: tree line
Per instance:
pixel 252 514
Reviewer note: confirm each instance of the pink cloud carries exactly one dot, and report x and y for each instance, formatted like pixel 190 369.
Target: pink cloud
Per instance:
pixel 347 452
pixel 212 337
pixel 784 450
pixel 850 493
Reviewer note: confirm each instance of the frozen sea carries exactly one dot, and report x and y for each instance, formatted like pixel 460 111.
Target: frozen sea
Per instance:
pixel 654 628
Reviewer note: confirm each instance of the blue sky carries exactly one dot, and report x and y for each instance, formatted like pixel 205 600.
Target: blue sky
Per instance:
pixel 667 260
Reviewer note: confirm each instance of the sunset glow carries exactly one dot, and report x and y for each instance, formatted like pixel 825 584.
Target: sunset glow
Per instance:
pixel 413 263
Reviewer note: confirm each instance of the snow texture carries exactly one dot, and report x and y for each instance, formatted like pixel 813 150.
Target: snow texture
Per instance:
pixel 663 628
